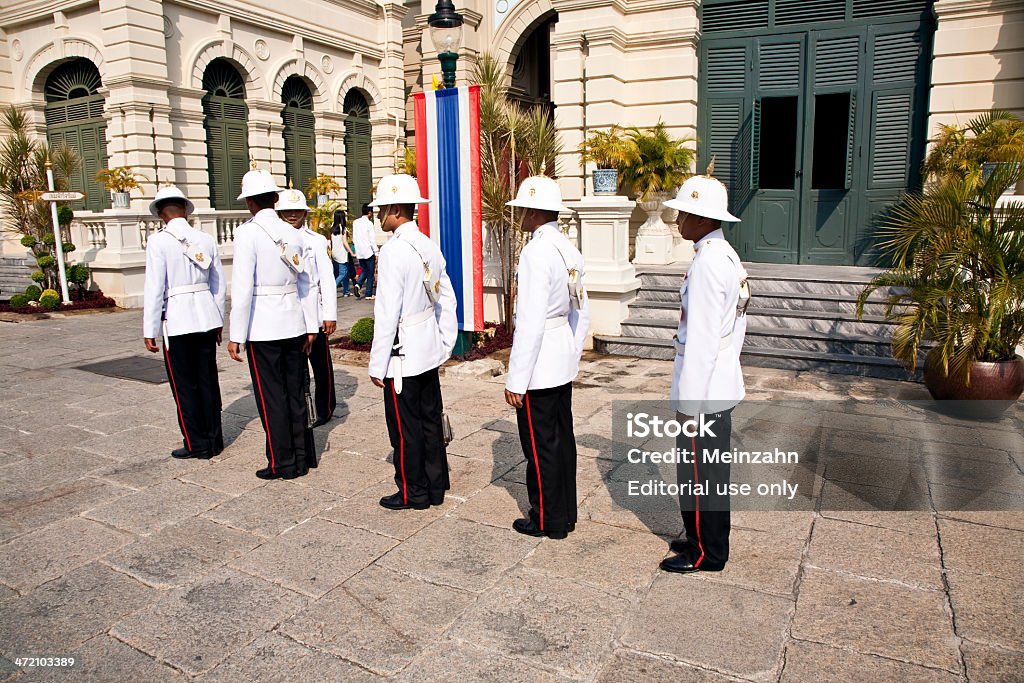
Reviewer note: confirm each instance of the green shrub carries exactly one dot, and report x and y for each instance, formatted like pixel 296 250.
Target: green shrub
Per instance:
pixel 38 276
pixel 28 241
pixel 46 261
pixel 362 331
pixel 78 274
pixel 65 214
pixel 68 247
pixel 49 240
pixel 33 292
pixel 19 301
pixel 49 300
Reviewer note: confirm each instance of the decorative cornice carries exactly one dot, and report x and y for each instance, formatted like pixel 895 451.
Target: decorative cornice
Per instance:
pixel 242 10
pixel 365 7
pixel 646 41
pixel 635 6
pixel 36 10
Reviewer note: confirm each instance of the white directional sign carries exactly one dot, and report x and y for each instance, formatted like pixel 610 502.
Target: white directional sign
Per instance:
pixel 62 196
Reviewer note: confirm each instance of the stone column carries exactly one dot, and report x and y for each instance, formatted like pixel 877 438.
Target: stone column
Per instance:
pixel 266 137
pixel 611 279
pixel 330 157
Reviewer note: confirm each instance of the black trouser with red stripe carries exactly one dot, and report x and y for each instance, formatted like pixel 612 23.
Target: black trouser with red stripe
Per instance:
pixel 549 444
pixel 280 379
pixel 191 362
pixel 414 425
pixel 325 398
pixel 706 519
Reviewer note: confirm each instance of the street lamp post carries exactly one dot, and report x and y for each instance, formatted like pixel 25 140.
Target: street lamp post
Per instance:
pixel 446 33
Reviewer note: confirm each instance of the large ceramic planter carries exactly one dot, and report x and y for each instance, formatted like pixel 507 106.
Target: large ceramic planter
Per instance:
pixel 606 181
pixel 121 200
pixel 993 389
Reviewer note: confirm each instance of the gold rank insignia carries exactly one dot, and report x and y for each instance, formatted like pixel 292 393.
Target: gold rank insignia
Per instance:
pixel 295 259
pixel 695 194
pixel 394 189
pixel 533 191
pixel 437 286
pixel 199 256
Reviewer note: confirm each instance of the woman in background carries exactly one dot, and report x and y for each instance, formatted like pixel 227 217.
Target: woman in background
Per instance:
pixel 341 253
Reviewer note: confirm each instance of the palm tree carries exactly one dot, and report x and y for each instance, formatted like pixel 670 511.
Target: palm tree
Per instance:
pixel 514 141
pixel 655 161
pixel 994 136
pixel 958 277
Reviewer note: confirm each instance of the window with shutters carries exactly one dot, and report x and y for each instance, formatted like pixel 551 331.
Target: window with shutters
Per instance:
pixel 830 156
pixel 358 160
pixel 299 132
pixel 74 117
pixel 227 132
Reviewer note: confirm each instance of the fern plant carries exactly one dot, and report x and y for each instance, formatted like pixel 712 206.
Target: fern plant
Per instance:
pixel 958 277
pixel 655 161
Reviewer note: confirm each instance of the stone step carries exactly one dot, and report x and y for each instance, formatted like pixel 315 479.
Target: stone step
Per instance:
pixel 767 322
pixel 762 286
pixel 14 277
pixel 792 359
pixel 669 310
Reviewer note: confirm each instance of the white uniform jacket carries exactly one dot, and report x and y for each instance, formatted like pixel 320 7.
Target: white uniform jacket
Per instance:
pixel 707 377
pixel 169 273
pixel 263 307
pixel 402 303
pixel 365 237
pixel 321 271
pixel 549 335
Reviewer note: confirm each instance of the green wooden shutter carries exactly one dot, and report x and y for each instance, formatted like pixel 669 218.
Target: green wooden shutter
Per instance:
pixel 790 12
pixel 890 150
pixel 743 14
pixel 894 57
pixel 755 144
pixel 779 66
pixel 851 148
pixel 227 133
pixel 836 61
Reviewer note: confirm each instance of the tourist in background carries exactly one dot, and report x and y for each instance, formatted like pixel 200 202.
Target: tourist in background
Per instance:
pixel 365 238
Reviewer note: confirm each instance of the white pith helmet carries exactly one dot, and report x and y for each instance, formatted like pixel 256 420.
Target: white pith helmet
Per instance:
pixel 170 192
pixel 257 182
pixel 703 195
pixel 291 200
pixel 539 192
pixel 400 188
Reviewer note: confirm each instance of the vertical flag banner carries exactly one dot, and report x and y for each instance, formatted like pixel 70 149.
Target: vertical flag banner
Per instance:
pixel 448 170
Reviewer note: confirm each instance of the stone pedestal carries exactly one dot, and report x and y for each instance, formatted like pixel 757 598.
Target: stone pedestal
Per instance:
pixel 655 243
pixel 611 279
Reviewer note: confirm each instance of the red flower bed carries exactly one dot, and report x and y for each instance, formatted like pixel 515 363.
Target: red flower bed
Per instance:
pixel 79 301
pixel 349 345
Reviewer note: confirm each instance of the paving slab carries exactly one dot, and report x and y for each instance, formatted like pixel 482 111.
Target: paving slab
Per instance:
pixel 628 666
pixel 28 510
pixel 460 553
pixel 31 560
pixel 195 628
pixel 152 509
pixel 876 617
pixel 269 510
pixel 807 662
pixel 698 622
pixel 274 658
pixel 554 620
pixel 988 609
pixel 179 554
pixel 389 618
pixel 763 560
pixel 144 470
pixel 56 618
pixel 315 556
pixel 59 467
pixel 981 549
pixel 452 660
pixel 363 511
pixel 346 474
pixel 497 505
pixel 992 665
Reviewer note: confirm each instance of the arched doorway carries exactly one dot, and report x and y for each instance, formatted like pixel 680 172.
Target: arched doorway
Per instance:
pixel 358 160
pixel 299 132
pixel 74 117
pixel 531 67
pixel 227 132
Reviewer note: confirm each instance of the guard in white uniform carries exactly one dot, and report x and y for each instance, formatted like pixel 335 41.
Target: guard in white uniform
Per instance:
pixel 184 303
pixel 274 315
pixel 707 378
pixel 552 318
pixel 414 332
pixel 292 208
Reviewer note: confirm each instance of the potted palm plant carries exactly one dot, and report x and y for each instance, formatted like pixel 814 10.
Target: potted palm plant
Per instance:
pixel 975 149
pixel 609 151
pixel 119 181
pixel 958 285
pixel 322 185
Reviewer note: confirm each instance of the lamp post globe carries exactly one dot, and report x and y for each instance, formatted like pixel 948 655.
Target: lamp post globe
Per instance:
pixel 446 33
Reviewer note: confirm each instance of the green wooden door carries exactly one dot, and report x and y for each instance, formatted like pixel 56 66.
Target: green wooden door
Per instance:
pixel 299 133
pixel 358 152
pixel 227 133
pixel 74 117
pixel 816 113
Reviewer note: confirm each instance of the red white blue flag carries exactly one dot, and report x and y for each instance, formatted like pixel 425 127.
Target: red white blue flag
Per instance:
pixel 448 170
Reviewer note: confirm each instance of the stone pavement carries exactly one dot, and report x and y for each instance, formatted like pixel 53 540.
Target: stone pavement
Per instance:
pixel 152 569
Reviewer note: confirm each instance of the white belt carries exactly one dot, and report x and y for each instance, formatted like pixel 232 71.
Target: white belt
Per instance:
pixel 188 289
pixel 725 343
pixel 269 290
pixel 417 318
pixel 555 323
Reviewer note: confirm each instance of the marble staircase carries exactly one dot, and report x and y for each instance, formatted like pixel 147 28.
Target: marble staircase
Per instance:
pixel 800 317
